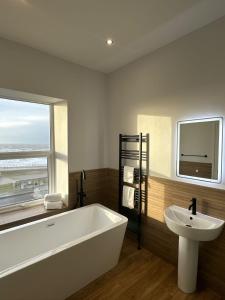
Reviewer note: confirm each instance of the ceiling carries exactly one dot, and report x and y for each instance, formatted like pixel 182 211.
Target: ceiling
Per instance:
pixel 76 30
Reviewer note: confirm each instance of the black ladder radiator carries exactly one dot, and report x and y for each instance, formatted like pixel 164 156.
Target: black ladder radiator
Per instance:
pixel 134 152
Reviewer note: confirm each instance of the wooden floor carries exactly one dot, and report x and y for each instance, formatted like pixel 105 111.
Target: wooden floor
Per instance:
pixel 139 275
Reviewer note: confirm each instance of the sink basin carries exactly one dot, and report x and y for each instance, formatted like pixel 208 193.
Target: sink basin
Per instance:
pixel 191 230
pixel 197 227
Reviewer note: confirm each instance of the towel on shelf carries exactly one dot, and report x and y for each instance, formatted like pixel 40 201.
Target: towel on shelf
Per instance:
pixel 53 197
pixel 128 196
pixel 128 174
pixel 53 204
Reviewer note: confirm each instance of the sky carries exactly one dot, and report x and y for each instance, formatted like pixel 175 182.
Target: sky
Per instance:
pixel 24 123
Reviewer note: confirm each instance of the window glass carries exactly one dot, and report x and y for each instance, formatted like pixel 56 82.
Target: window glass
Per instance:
pixel 24 127
pixel 23 180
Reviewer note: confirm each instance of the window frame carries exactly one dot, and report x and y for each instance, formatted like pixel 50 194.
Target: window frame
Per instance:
pixel 33 154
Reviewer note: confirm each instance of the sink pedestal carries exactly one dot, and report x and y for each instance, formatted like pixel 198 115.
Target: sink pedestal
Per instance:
pixel 187 264
pixel 191 229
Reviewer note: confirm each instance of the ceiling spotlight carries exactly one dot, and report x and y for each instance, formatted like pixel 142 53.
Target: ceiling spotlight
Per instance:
pixel 109 42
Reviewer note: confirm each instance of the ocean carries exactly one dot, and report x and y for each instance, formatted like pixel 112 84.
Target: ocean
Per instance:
pixel 25 162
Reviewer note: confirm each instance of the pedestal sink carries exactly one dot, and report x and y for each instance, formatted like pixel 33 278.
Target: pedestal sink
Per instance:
pixel 191 230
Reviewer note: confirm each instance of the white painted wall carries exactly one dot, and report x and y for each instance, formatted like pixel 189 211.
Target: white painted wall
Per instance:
pixel 28 70
pixel 181 81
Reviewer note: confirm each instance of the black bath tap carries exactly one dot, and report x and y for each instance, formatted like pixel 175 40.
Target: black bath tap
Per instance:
pixel 81 193
pixel 193 206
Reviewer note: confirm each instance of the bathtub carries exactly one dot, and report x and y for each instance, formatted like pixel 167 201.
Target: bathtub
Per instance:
pixel 52 258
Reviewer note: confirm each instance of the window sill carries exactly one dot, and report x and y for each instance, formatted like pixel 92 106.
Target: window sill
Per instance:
pixel 26 215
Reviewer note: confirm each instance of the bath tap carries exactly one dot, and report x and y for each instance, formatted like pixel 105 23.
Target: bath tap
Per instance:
pixel 80 193
pixel 193 206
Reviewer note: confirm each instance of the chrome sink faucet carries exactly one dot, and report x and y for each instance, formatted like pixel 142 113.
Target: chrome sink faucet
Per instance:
pixel 193 206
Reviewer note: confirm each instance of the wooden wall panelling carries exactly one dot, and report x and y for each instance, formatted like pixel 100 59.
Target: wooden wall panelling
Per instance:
pixel 197 169
pixel 96 186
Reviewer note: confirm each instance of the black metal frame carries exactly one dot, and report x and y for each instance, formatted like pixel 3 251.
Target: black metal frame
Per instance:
pixel 140 180
pixel 81 195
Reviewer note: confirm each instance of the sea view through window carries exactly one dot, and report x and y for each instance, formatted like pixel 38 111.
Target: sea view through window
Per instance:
pixel 24 151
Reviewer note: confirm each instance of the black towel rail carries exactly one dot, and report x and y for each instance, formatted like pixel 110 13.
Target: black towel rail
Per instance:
pixel 196 155
pixel 140 183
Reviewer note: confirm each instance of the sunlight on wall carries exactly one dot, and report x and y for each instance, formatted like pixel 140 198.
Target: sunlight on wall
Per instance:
pixel 160 131
pixel 156 200
pixel 61 149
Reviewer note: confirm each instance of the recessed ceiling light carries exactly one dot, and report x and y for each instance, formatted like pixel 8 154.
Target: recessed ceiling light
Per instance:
pixel 109 42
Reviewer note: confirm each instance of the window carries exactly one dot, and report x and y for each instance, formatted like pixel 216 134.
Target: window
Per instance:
pixel 25 151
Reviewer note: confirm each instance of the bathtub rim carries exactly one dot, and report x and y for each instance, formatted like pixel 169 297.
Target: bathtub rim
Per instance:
pixel 26 263
pixel 123 218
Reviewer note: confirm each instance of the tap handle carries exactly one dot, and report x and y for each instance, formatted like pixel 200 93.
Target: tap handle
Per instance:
pixel 83 175
pixel 194 200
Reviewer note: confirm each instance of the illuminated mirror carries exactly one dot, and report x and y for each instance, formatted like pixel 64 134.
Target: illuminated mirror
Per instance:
pixel 199 149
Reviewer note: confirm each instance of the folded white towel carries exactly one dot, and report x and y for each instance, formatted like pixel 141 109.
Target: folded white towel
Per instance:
pixel 128 197
pixel 128 174
pixel 53 205
pixel 53 197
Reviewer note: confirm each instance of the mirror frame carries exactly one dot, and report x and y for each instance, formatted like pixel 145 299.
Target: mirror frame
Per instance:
pixel 220 149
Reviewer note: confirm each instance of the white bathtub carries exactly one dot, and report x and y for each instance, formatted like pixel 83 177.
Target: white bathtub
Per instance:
pixel 52 258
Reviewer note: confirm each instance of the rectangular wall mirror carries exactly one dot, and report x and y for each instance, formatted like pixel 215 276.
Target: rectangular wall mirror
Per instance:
pixel 199 149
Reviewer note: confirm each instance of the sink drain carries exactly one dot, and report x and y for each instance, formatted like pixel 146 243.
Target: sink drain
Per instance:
pixel 188 225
